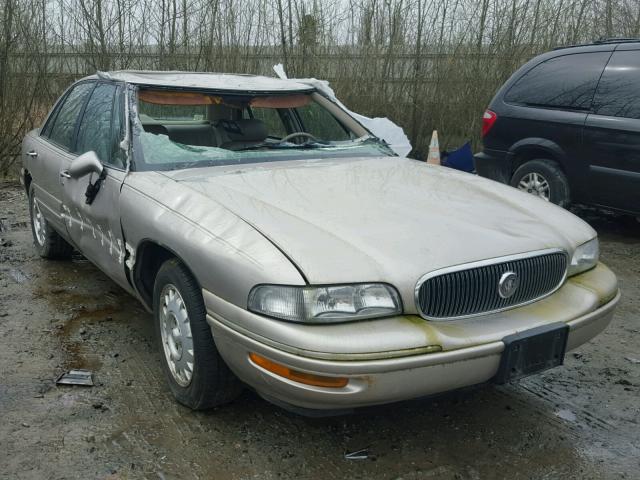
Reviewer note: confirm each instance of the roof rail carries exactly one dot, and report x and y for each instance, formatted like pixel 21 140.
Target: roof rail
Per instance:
pixel 601 41
pixel 616 40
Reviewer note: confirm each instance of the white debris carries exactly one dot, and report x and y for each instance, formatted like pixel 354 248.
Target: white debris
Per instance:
pixel 381 127
pixel 279 69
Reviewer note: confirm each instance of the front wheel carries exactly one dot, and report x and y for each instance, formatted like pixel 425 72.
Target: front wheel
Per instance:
pixel 544 179
pixel 197 374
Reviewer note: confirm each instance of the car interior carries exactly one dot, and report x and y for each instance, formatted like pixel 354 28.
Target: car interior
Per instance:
pixel 236 123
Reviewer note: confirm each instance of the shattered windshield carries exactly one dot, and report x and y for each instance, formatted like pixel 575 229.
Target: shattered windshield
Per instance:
pixel 182 129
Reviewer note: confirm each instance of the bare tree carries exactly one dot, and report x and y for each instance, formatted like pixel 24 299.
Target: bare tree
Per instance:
pixel 423 63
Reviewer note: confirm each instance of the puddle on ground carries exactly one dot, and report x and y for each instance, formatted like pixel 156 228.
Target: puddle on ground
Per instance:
pixel 85 309
pixel 75 333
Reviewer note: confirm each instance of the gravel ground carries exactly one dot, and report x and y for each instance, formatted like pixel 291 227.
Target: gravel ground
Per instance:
pixel 577 421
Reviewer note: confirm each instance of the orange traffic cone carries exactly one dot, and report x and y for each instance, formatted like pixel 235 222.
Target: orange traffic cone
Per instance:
pixel 434 150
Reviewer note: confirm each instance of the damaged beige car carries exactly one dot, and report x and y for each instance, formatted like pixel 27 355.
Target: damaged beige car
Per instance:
pixel 280 245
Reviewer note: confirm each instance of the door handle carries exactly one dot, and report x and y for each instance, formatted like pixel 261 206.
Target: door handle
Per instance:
pixel 32 154
pixel 65 174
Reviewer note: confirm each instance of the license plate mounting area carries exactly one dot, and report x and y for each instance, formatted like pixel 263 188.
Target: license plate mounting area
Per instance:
pixel 532 351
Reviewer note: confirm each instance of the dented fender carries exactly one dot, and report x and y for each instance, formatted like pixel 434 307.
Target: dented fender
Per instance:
pixel 225 254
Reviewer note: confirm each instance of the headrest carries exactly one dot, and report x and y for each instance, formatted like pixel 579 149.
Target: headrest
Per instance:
pixel 245 129
pixel 156 129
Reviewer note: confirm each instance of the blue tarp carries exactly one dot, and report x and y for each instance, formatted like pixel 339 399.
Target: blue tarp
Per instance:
pixel 460 159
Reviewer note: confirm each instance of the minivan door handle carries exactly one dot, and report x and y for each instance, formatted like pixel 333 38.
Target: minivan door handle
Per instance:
pixel 32 154
pixel 65 174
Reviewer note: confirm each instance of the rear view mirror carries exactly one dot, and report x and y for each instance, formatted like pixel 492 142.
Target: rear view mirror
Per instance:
pixel 85 164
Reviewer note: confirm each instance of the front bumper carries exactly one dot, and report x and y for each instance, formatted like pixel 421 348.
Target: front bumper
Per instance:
pixel 386 377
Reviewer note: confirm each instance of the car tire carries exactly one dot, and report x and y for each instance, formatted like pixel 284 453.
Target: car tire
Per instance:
pixel 198 376
pixel 48 243
pixel 543 178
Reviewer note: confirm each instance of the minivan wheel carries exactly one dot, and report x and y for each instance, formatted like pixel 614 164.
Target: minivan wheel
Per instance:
pixel 197 374
pixel 544 179
pixel 49 244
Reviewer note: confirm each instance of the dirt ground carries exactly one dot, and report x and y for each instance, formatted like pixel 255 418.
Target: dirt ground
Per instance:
pixel 581 420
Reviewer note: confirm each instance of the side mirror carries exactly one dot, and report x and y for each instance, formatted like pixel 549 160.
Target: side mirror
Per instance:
pixel 85 164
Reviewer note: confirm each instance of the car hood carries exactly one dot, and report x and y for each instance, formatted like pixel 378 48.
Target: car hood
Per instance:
pixel 384 219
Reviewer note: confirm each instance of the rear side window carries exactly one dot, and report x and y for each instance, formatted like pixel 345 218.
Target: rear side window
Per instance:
pixel 566 82
pixel 64 125
pixel 618 93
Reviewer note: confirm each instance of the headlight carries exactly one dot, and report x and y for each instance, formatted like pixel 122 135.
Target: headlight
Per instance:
pixel 584 257
pixel 329 304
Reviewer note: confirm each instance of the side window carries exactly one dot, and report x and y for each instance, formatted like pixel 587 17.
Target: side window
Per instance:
pixel 618 93
pixel 319 122
pixel 100 125
pixel 272 119
pixel 568 81
pixel 64 124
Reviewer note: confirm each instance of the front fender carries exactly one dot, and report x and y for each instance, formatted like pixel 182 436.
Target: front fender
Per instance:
pixel 226 254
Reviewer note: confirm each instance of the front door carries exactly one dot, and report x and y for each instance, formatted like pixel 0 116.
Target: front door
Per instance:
pixel 92 220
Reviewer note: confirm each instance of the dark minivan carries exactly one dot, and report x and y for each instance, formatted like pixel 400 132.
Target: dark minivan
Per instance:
pixel 566 127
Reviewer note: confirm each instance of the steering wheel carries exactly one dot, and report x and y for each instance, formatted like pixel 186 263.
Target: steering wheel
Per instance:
pixel 297 134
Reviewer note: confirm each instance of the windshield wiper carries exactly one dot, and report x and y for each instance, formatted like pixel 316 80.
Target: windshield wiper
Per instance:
pixel 283 146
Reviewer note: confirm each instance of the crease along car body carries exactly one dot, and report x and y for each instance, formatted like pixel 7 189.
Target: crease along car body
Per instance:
pixel 281 245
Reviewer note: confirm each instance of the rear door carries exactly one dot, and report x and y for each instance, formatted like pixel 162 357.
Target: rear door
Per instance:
pixel 51 148
pixel 612 134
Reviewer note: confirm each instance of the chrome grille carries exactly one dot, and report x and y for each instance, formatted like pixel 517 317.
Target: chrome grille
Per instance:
pixel 472 289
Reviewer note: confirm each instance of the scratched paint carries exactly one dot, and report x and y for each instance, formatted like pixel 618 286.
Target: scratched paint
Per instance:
pixel 94 232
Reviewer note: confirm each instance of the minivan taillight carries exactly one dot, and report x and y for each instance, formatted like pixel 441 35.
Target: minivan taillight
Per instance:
pixel 488 119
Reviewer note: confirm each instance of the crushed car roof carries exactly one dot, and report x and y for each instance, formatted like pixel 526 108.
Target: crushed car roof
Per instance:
pixel 213 81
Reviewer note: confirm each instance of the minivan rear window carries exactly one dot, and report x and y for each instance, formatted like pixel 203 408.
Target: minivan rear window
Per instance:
pixel 618 93
pixel 567 82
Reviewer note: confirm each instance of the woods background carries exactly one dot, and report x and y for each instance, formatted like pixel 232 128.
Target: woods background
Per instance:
pixel 423 63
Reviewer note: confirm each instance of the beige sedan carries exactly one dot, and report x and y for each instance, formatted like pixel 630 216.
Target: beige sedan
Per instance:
pixel 281 246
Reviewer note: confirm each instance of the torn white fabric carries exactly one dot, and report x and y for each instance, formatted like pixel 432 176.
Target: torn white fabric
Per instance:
pixel 381 127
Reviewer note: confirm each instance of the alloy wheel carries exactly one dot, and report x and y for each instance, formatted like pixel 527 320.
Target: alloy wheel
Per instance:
pixel 535 184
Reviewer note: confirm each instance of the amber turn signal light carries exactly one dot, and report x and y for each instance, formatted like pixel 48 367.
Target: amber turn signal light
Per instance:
pixel 296 376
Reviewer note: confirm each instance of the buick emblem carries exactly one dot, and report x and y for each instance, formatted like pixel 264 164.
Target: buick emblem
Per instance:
pixel 508 284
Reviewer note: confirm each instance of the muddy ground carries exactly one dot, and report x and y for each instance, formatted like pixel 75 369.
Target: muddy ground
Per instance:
pixel 577 421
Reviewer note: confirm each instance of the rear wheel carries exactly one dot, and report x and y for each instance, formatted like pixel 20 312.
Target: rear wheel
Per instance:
pixel 197 374
pixel 544 179
pixel 48 243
